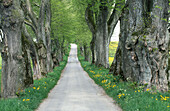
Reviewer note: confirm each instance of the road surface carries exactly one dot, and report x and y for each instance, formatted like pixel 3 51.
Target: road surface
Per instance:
pixel 76 91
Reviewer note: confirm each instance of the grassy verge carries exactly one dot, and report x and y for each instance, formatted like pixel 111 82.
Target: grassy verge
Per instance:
pixel 31 97
pixel 128 95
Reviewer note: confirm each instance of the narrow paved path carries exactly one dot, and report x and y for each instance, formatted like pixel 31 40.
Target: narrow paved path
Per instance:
pixel 76 91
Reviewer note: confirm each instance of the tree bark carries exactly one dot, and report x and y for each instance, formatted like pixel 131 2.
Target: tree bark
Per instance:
pixel 102 43
pixel 92 47
pixel 54 53
pixel 41 26
pixel 33 54
pixel 13 70
pixel 145 43
pixel 28 78
pixel 48 36
pixel 87 53
pixel 102 29
pixel 42 53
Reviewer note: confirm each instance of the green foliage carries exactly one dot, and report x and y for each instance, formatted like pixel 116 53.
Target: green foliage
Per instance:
pixel 30 98
pixel 69 22
pixel 128 95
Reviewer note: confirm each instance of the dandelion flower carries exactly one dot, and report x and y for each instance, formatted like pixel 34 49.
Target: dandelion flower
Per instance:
pixel 38 88
pixel 23 100
pixel 34 87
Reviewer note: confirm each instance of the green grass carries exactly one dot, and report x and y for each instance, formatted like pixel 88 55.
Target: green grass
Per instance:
pixel 31 97
pixel 128 95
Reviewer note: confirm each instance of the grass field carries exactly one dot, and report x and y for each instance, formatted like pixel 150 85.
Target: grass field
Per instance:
pixel 112 50
pixel 128 95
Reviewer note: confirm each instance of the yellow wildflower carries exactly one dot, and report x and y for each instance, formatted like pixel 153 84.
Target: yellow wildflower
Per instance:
pixel 114 86
pixel 147 89
pixel 38 88
pixel 27 99
pixel 23 100
pixel 34 87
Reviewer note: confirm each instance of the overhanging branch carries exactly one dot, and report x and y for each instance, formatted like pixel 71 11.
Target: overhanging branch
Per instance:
pixel 115 16
pixel 89 19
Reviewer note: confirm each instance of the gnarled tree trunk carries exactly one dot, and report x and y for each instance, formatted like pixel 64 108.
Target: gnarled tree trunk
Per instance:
pixel 42 53
pixel 33 54
pixel 102 43
pixel 13 68
pixel 48 36
pixel 28 75
pixel 102 29
pixel 145 42
pixel 87 53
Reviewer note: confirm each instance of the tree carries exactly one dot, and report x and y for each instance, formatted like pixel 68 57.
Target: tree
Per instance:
pixel 15 65
pixel 101 20
pixel 142 54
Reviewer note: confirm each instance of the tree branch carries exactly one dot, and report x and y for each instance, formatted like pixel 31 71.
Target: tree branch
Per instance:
pixel 89 19
pixel 31 14
pixel 27 22
pixel 116 14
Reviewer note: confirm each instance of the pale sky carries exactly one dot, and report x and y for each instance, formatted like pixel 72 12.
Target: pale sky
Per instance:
pixel 115 36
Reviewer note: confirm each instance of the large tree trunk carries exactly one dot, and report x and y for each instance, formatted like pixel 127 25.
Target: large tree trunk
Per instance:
pixel 54 53
pixel 13 70
pixel 42 53
pixel 48 36
pixel 102 43
pixel 102 29
pixel 144 54
pixel 28 77
pixel 120 65
pixel 92 47
pixel 62 48
pixel 87 53
pixel 33 54
pixel 41 22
